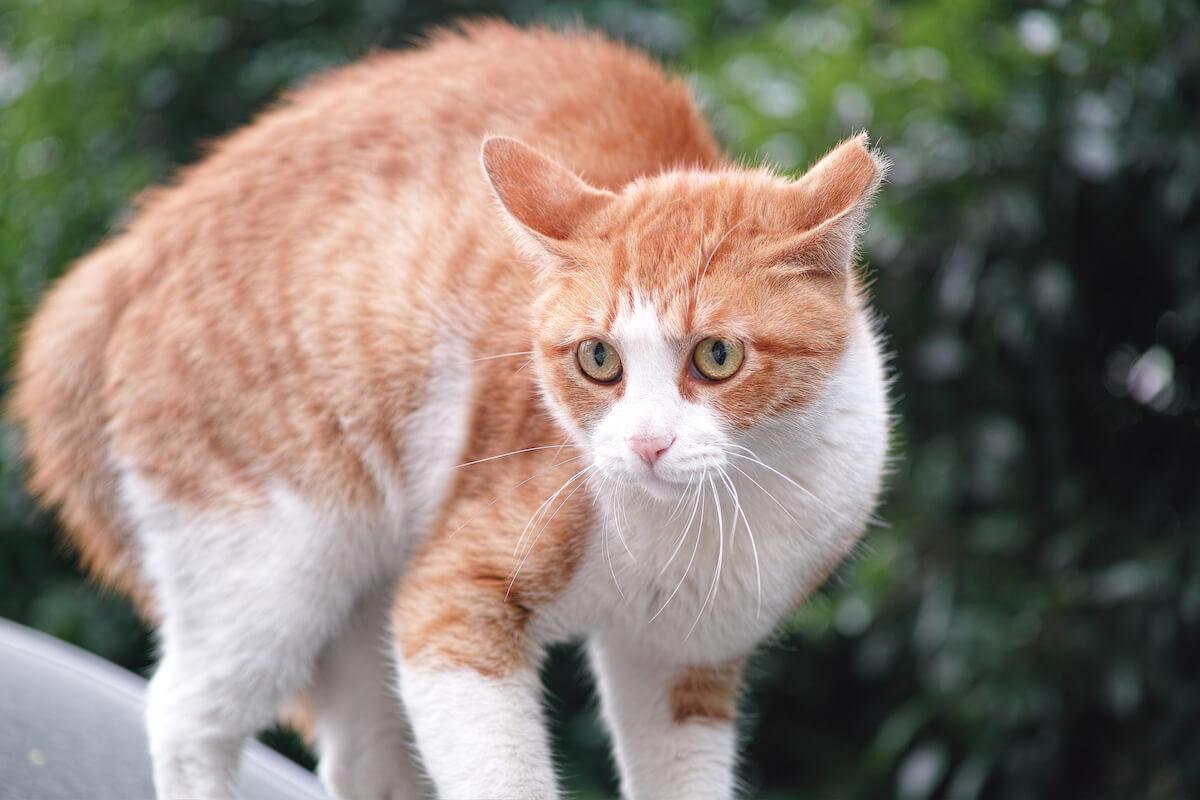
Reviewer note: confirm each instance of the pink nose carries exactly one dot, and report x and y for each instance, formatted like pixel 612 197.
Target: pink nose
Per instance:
pixel 650 448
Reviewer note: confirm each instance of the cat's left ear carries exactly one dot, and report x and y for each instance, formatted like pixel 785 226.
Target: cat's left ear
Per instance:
pixel 546 204
pixel 826 209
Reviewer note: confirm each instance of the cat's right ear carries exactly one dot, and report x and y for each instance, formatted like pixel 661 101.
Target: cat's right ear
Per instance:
pixel 545 204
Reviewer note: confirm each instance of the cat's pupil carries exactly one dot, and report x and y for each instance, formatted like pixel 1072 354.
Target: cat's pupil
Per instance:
pixel 718 352
pixel 599 354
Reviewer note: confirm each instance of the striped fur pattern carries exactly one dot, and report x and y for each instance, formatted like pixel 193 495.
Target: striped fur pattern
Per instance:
pixel 320 411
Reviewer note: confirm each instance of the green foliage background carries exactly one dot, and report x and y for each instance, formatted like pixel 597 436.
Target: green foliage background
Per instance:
pixel 1026 624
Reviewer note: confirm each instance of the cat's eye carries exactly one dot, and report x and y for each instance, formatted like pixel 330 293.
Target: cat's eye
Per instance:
pixel 599 360
pixel 718 359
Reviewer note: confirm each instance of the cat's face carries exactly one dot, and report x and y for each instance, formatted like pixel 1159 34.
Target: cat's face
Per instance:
pixel 687 310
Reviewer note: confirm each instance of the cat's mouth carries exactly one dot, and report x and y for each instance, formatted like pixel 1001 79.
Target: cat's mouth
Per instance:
pixel 663 481
pixel 657 485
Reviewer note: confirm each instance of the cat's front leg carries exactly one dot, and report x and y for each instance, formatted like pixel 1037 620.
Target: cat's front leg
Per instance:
pixel 672 726
pixel 469 680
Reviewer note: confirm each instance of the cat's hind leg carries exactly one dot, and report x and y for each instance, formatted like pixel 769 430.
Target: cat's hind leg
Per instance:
pixel 247 601
pixel 363 737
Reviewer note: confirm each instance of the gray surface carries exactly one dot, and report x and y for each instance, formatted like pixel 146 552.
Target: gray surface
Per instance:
pixel 71 729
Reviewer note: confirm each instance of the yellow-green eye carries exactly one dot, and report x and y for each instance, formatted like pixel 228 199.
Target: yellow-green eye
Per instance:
pixel 599 360
pixel 717 359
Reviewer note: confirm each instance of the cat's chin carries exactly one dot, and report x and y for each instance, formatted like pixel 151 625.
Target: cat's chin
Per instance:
pixel 654 487
pixel 660 488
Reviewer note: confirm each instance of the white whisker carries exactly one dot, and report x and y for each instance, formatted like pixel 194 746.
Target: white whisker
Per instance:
pixel 753 547
pixel 534 539
pixel 713 252
pixel 608 550
pixel 774 499
pixel 688 569
pixel 617 519
pixel 679 503
pixel 503 355
pixel 683 533
pixel 753 457
pixel 512 489
pixel 545 503
pixel 712 589
pixel 515 452
pixel 596 495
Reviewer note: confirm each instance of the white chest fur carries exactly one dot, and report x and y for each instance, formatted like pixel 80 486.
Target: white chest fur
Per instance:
pixel 705 579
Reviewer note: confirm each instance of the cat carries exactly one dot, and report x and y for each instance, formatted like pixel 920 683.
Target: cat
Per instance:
pixel 456 353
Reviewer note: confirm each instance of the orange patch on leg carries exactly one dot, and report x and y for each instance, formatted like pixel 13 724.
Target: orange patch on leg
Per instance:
pixel 706 693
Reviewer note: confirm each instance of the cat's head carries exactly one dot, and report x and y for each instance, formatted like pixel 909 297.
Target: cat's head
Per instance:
pixel 689 308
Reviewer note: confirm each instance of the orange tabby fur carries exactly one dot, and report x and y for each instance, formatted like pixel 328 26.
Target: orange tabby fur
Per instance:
pixel 218 342
pixel 270 318
pixel 706 693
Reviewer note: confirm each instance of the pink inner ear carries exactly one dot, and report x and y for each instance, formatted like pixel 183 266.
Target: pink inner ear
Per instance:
pixel 538 192
pixel 843 179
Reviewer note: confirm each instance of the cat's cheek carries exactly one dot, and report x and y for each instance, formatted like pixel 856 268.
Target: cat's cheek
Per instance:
pixel 747 402
pixel 585 404
pixel 774 387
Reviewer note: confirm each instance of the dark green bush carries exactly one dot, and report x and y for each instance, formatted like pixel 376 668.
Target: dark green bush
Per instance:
pixel 1026 623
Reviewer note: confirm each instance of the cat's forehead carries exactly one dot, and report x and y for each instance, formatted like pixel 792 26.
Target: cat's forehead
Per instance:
pixel 688 203
pixel 652 316
pixel 694 251
pixel 679 225
pixel 673 235
pixel 632 307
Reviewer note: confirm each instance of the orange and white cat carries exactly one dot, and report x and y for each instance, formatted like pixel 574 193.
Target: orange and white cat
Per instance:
pixel 376 402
